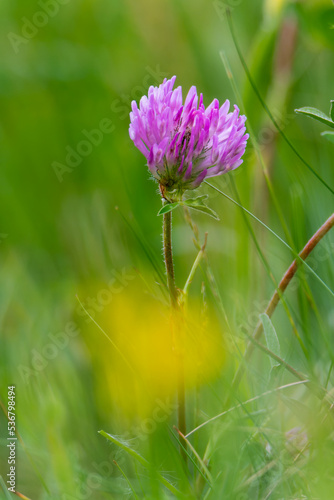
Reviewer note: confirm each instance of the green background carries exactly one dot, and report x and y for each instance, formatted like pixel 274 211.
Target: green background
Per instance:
pixel 61 235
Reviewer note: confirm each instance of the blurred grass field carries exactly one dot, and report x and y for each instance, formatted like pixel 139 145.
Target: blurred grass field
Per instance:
pixel 89 232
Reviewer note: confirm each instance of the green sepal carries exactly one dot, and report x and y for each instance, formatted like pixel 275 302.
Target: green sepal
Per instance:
pixel 317 115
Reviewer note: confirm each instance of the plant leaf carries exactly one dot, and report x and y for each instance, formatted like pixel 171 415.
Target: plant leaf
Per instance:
pixel 328 135
pixel 271 338
pixel 199 200
pixel 317 115
pixel 331 110
pixel 168 208
pixel 205 210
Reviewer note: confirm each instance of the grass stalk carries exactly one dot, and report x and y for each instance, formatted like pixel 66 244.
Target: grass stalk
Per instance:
pixel 289 274
pixel 265 107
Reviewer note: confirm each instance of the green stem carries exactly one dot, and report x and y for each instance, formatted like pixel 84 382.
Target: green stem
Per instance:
pixel 168 255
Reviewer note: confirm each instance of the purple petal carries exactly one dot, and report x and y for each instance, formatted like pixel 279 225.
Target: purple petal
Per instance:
pixel 188 172
pixel 186 143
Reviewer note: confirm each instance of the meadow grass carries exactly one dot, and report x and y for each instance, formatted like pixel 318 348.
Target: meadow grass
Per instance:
pixel 84 300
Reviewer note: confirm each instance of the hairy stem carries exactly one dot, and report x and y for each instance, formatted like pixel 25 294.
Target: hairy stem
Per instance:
pixel 168 255
pixel 310 245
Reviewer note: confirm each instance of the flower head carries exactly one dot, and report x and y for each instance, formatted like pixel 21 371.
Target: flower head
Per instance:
pixel 186 143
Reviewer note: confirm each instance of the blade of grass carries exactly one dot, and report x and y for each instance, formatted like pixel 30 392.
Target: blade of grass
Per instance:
pixel 127 479
pixel 271 336
pixel 4 487
pixel 195 265
pixel 265 107
pixel 255 398
pixel 187 453
pixel 270 274
pixel 134 454
pixel 107 337
pixel 147 250
pixel 258 474
pixel 208 479
pixel 124 446
pixel 277 358
pixel 274 234
pixel 311 244
pixel 212 284
pixel 268 181
pixel 256 147
pixel 31 460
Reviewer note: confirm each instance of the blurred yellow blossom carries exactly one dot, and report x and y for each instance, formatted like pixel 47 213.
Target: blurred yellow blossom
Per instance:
pixel 139 364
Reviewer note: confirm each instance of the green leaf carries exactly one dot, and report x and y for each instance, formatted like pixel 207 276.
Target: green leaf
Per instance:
pixel 195 203
pixel 331 111
pixel 204 209
pixel 317 115
pixel 198 204
pixel 328 135
pixel 168 208
pixel 271 338
pixel 199 200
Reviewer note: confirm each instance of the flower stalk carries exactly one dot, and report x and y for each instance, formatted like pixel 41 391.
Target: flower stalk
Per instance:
pixel 173 293
pixel 168 256
pixel 184 143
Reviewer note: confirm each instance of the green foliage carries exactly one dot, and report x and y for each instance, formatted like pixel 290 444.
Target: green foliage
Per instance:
pixel 169 207
pixel 195 203
pixel 318 18
pixel 61 237
pixel 317 115
pixel 126 447
pixel 321 117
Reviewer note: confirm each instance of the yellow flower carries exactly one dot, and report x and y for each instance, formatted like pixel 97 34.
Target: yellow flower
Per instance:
pixel 139 365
